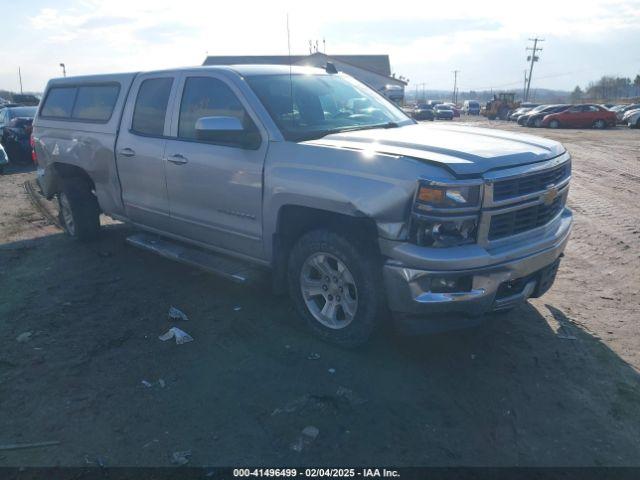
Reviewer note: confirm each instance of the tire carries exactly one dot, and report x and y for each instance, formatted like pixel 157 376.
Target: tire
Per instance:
pixel 638 123
pixel 554 124
pixel 537 123
pixel 351 319
pixel 600 124
pixel 79 211
pixel 1 169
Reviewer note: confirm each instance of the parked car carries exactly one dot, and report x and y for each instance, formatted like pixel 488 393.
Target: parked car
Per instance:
pixel 4 159
pixel 471 107
pixel 454 108
pixel 26 100
pixel 581 116
pixel 518 112
pixel 621 111
pixel 355 208
pixel 443 112
pixel 632 118
pixel 535 119
pixel 15 132
pixel 523 118
pixel 423 111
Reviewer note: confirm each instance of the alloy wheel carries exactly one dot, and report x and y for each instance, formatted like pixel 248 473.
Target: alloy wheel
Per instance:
pixel 329 290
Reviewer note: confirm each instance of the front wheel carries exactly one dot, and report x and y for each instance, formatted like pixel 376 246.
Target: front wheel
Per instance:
pixel 336 286
pixel 554 124
pixel 79 213
pixel 600 124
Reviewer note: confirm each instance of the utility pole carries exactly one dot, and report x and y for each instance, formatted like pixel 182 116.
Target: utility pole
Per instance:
pixel 532 58
pixel 524 88
pixel 455 86
pixel 20 78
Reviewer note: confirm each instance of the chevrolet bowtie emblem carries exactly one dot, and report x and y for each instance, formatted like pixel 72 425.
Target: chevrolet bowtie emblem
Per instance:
pixel 550 195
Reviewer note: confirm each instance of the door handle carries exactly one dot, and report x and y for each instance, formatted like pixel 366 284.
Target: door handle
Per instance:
pixel 178 159
pixel 127 152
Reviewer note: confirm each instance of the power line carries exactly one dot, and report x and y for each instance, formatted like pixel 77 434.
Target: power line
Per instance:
pixel 533 58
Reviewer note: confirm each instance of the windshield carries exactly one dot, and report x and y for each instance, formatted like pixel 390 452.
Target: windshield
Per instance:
pixel 323 104
pixel 22 112
pixel 443 107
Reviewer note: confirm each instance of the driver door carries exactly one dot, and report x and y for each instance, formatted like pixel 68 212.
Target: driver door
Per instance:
pixel 214 188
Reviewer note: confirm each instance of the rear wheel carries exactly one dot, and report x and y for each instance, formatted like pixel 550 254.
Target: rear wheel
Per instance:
pixel 554 124
pixel 537 122
pixel 336 286
pixel 79 213
pixel 600 124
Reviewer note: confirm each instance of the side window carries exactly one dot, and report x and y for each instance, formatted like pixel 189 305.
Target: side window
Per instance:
pixel 209 97
pixel 574 109
pixel 59 102
pixel 151 106
pixel 95 102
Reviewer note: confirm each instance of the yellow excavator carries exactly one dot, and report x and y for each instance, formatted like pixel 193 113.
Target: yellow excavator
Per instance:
pixel 500 107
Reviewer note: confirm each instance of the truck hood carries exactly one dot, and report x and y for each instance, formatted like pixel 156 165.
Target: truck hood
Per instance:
pixel 464 151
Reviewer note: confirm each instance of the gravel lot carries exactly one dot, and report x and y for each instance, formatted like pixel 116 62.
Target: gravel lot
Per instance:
pixel 553 383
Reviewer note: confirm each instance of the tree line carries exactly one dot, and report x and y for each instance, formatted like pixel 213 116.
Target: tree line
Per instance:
pixel 608 88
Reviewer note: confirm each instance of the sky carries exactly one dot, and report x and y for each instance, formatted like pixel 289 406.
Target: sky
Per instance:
pixel 484 39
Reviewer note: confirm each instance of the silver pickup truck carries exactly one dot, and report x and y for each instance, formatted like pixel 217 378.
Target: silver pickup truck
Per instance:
pixel 358 211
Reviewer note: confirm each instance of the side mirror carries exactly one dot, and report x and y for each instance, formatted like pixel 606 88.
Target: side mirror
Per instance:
pixel 226 131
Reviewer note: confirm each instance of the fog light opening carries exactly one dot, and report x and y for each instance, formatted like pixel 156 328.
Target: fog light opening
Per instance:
pixel 450 284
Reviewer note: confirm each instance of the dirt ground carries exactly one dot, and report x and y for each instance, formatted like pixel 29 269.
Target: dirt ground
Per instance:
pixel 553 383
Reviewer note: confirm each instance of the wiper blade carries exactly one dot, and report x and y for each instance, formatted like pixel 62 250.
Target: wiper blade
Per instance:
pixel 368 127
pixel 356 128
pixel 317 135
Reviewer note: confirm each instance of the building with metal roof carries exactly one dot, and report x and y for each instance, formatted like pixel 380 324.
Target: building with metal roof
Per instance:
pixel 374 70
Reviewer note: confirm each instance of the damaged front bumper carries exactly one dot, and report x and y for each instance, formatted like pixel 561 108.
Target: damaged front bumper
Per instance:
pixel 445 289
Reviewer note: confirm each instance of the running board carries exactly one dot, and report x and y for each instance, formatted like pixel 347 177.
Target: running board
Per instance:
pixel 221 265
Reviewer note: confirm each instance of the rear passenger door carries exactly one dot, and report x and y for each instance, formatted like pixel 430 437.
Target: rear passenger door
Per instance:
pixel 594 114
pixel 215 187
pixel 141 147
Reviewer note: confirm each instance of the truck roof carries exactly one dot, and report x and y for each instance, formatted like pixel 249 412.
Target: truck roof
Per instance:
pixel 244 70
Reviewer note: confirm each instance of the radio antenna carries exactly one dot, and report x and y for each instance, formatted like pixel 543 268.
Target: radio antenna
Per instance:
pixel 290 68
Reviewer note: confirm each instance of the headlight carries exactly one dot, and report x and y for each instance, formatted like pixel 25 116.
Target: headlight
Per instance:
pixel 444 232
pixel 435 196
pixel 445 213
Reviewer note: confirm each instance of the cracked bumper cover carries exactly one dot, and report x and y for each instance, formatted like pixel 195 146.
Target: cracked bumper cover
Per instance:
pixel 531 262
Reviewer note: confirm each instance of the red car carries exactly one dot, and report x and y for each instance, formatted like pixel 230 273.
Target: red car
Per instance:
pixel 456 110
pixel 581 116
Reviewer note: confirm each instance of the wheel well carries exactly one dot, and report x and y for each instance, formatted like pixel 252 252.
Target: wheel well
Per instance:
pixel 66 172
pixel 294 221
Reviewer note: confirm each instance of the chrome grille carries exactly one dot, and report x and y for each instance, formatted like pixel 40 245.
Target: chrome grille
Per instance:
pixel 516 187
pixel 519 221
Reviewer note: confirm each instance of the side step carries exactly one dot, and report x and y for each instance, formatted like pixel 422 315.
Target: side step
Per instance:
pixel 218 264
